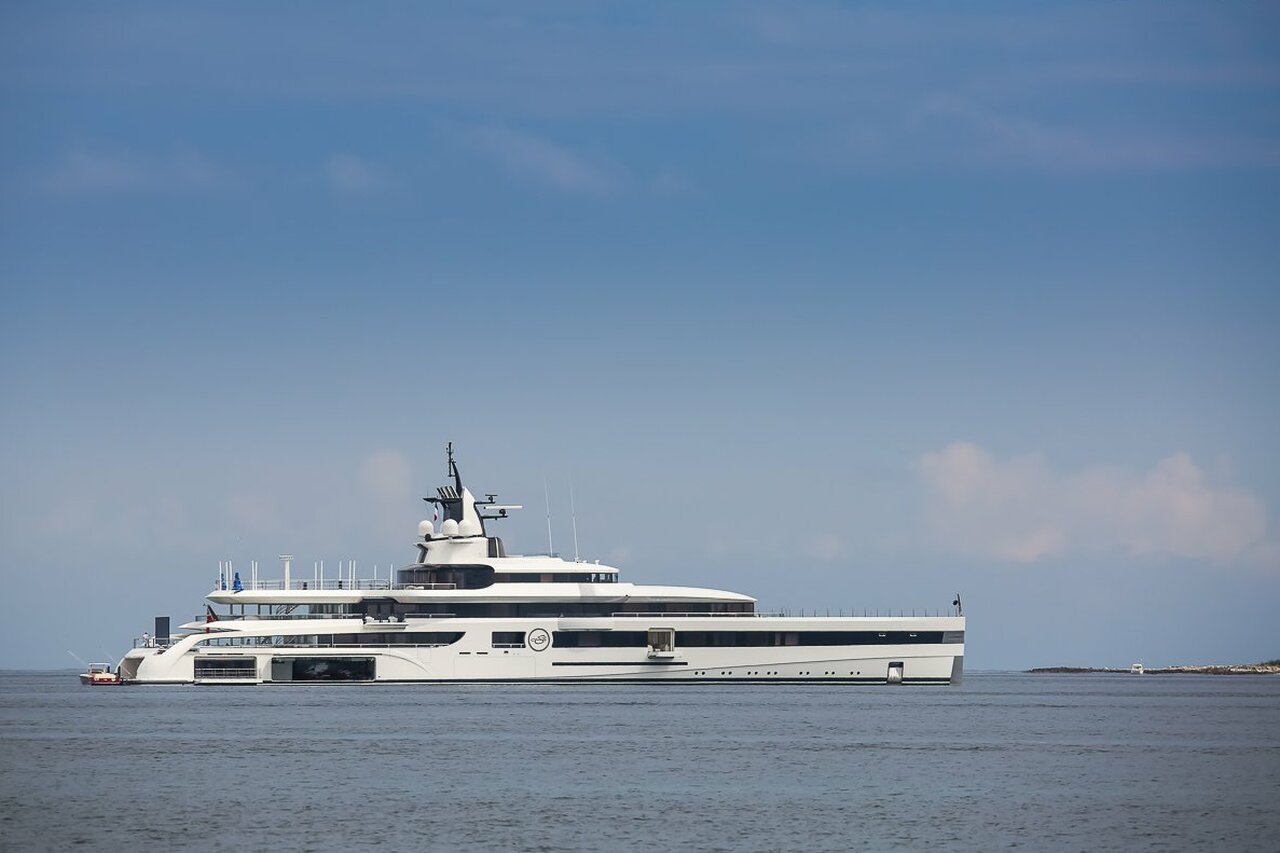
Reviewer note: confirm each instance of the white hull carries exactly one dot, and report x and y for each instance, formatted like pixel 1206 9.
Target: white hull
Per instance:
pixel 474 658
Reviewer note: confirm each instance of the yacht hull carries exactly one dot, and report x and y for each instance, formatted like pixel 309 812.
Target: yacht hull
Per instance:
pixel 260 654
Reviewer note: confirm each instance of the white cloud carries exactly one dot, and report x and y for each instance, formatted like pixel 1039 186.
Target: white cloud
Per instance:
pixel 1019 510
pixel 948 131
pixel 541 161
pixel 347 173
pixel 88 172
pixel 996 138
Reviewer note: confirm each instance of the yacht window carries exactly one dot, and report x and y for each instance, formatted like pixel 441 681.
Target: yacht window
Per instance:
pixel 662 639
pixel 329 669
pixel 806 638
pixel 225 667
pixel 593 639
pixel 508 639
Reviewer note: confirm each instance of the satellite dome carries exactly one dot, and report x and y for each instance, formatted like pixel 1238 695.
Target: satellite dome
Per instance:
pixel 426 529
pixel 449 528
pixel 469 527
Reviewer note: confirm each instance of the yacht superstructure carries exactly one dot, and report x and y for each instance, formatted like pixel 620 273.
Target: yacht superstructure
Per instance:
pixel 466 611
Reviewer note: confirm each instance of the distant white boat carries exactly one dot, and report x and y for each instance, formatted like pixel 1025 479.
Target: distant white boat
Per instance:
pixel 1136 669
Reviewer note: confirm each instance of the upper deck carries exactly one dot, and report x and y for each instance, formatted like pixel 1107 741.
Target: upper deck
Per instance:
pixel 460 561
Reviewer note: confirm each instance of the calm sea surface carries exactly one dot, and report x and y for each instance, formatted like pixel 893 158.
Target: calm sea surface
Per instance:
pixel 1078 762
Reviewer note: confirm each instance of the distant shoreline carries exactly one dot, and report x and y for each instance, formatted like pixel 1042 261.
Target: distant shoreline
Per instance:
pixel 1268 668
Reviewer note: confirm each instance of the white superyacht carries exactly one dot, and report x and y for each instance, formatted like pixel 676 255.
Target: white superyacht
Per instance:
pixel 466 611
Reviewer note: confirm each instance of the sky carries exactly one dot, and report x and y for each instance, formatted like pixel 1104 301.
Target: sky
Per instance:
pixel 845 306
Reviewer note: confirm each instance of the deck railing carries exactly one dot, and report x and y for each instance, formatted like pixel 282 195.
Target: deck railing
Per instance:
pixel 244 674
pixel 358 585
pixel 156 642
pixel 367 584
pixel 618 614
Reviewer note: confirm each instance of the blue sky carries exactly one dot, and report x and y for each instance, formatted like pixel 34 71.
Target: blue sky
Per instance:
pixel 840 305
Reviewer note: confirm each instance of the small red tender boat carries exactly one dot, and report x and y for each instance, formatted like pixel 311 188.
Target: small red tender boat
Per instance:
pixel 100 673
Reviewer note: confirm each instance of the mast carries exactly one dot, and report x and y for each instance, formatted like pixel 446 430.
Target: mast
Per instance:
pixel 452 470
pixel 546 496
pixel 573 513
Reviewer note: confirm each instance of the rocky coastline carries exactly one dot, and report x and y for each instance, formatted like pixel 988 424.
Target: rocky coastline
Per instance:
pixel 1271 667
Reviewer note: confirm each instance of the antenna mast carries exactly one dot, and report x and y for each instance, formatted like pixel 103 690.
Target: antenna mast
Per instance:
pixel 453 468
pixel 573 514
pixel 546 496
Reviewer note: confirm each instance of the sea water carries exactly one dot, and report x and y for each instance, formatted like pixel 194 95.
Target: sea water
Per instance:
pixel 1078 762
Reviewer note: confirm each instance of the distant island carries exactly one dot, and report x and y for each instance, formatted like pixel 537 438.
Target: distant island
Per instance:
pixel 1270 667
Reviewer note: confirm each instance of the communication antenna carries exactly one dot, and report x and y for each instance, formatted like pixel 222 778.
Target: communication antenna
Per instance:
pixel 573 514
pixel 546 496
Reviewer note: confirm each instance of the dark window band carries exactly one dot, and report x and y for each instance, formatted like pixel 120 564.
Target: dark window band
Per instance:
pixel 724 639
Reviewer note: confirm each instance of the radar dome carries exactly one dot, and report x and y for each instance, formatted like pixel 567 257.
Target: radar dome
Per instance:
pixel 426 529
pixel 449 528
pixel 468 527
